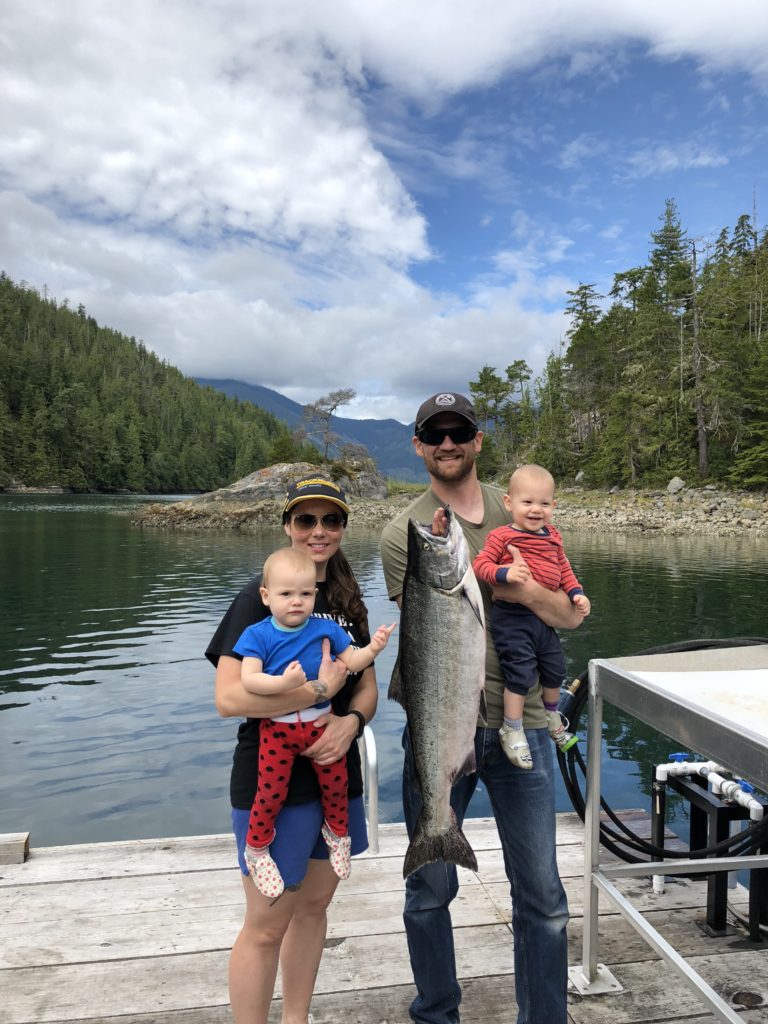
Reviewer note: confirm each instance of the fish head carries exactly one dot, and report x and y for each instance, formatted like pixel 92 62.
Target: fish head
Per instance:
pixel 438 561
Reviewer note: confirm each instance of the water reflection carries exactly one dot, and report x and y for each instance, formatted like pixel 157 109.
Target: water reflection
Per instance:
pixel 108 728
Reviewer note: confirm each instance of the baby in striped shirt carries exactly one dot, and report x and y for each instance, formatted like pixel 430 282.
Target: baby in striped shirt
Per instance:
pixel 528 649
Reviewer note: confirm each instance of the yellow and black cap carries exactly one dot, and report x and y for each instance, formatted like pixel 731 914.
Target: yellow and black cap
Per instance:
pixel 315 487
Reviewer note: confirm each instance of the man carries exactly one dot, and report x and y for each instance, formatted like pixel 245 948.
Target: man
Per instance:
pixel 448 439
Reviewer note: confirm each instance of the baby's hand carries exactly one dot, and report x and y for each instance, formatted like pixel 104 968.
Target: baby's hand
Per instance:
pixel 294 675
pixel 518 572
pixel 380 638
pixel 583 604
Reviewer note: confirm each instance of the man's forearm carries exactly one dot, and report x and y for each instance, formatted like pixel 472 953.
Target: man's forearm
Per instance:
pixel 552 607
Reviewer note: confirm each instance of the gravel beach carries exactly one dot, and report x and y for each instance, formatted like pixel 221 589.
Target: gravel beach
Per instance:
pixel 689 512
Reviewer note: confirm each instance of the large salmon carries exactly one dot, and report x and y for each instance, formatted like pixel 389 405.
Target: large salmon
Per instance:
pixel 438 678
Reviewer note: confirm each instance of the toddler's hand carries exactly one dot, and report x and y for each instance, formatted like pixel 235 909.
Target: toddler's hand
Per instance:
pixel 582 602
pixel 518 572
pixel 380 638
pixel 294 675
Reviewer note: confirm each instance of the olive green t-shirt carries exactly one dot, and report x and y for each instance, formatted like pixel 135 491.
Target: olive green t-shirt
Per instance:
pixel 394 557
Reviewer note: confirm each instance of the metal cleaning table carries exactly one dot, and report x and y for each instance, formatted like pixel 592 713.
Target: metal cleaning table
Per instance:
pixel 713 702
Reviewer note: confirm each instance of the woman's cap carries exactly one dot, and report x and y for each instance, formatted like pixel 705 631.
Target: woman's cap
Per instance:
pixel 446 401
pixel 315 487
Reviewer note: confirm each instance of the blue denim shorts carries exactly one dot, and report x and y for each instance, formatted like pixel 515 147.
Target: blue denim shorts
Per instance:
pixel 298 839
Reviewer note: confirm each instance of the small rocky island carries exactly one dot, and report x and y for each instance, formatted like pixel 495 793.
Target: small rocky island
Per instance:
pixel 678 510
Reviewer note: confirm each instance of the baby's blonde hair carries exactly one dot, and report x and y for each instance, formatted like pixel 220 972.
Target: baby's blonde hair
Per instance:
pixel 288 558
pixel 531 469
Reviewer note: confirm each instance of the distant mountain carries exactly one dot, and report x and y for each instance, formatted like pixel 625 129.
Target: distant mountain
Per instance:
pixel 388 441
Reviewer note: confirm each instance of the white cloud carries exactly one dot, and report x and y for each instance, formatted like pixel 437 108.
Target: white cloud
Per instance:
pixel 211 177
pixel 612 231
pixel 199 313
pixel 668 158
pixel 540 245
pixel 424 47
pixel 583 148
pixel 178 124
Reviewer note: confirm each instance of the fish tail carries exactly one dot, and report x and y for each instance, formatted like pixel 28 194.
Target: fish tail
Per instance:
pixel 451 846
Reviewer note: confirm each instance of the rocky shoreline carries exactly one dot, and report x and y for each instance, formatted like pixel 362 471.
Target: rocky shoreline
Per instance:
pixel 688 512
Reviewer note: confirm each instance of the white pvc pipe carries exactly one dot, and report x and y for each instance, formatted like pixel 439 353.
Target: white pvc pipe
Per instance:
pixel 663 771
pixel 732 791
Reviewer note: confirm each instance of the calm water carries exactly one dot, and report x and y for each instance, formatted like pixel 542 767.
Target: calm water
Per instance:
pixel 107 724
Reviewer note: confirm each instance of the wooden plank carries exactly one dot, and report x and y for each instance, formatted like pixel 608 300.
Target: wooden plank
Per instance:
pixel 109 860
pixel 14 847
pixel 81 936
pixel 75 931
pixel 222 887
pixel 681 893
pixel 140 932
pixel 206 853
pixel 187 982
pixel 78 936
pixel 619 943
pixel 651 988
pixel 485 1001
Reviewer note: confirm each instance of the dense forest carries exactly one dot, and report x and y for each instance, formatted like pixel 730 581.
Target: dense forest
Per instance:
pixel 666 375
pixel 84 407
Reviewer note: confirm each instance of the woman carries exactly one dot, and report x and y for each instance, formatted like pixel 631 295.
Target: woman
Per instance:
pixel 291 930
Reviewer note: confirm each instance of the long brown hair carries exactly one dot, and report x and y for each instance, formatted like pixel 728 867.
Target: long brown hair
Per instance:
pixel 344 594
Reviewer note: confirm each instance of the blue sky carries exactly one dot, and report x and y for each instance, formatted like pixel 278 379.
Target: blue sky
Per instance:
pixel 383 196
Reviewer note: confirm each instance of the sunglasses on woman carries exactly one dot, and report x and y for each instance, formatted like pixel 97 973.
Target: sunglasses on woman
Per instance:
pixel 435 436
pixel 330 521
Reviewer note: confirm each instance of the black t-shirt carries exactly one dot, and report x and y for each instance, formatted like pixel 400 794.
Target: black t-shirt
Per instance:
pixel 246 609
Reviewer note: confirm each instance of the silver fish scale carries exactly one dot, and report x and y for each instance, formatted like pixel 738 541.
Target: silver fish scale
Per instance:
pixel 442 667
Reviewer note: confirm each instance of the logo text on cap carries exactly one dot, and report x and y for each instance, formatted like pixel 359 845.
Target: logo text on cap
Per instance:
pixel 445 400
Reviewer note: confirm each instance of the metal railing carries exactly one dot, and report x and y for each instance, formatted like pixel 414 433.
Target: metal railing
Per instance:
pixel 367 744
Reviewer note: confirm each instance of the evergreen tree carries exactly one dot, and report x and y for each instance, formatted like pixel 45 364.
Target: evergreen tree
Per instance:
pixel 85 407
pixel 669 379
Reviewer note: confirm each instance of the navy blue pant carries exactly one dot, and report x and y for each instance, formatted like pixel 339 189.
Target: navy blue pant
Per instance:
pixel 528 650
pixel 523 803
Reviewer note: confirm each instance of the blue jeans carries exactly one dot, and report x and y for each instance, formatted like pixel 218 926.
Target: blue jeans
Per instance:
pixel 523 803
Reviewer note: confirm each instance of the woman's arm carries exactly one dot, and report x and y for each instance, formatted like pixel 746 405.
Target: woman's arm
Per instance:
pixel 233 701
pixel 341 730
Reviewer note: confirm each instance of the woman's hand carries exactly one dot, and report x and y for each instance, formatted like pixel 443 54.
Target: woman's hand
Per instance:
pixel 340 732
pixel 332 674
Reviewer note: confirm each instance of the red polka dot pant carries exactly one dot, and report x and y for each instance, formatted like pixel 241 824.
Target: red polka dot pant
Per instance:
pixel 280 743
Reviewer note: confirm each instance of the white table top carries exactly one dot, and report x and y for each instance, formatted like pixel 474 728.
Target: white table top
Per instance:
pixel 714 701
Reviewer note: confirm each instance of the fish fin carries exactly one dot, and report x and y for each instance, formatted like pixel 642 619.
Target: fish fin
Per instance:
pixel 472 596
pixel 451 846
pixel 396 684
pixel 483 709
pixel 469 766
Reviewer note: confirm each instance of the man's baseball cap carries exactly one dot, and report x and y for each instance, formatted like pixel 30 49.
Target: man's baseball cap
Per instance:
pixel 446 401
pixel 315 487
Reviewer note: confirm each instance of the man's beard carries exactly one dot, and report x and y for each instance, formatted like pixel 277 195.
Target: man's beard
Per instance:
pixel 453 471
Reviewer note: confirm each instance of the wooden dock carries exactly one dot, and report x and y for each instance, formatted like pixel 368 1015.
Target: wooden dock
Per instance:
pixel 139 933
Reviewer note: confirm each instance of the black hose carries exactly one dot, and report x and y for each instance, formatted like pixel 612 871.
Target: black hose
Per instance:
pixel 572 704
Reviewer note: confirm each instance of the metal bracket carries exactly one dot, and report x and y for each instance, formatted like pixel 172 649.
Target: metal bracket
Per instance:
pixel 603 983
